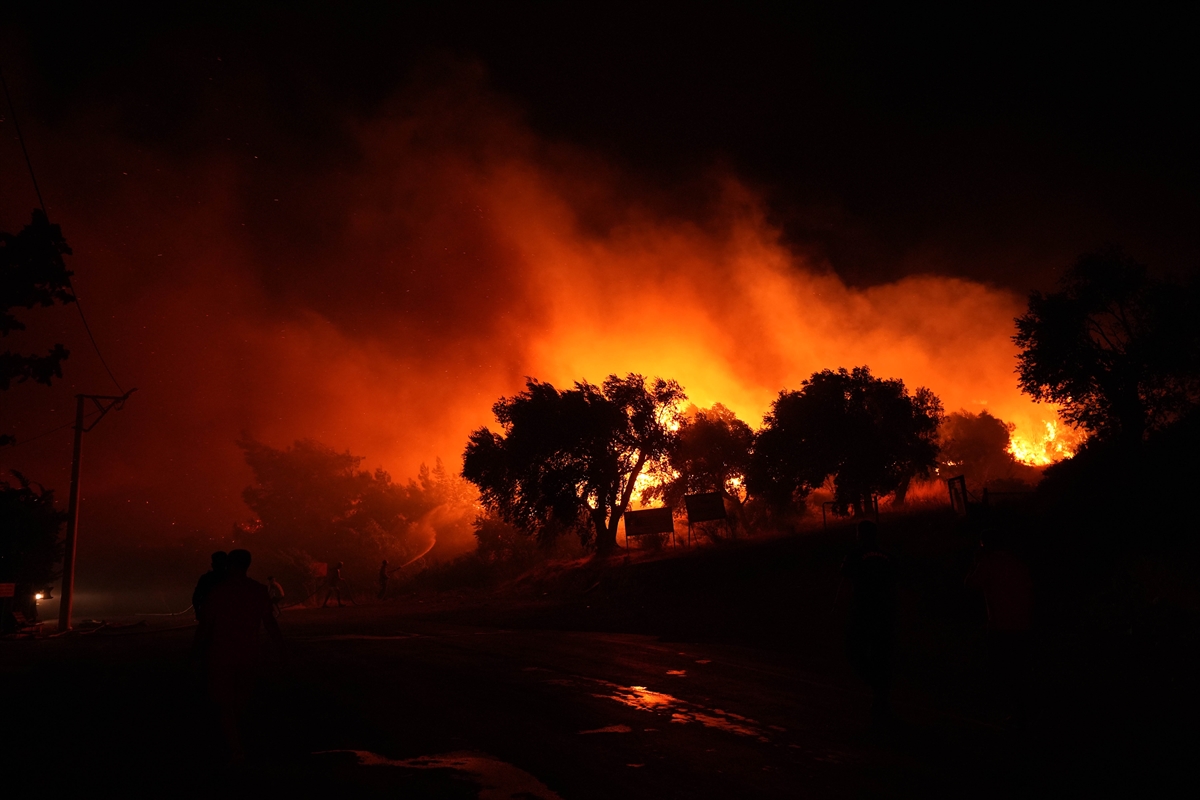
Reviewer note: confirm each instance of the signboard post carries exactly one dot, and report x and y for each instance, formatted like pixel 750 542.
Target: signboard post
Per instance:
pixel 706 507
pixel 958 494
pixel 649 521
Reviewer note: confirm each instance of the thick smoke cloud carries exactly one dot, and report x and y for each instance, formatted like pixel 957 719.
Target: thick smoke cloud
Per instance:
pixel 382 299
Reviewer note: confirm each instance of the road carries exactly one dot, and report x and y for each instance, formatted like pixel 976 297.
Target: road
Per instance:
pixel 374 702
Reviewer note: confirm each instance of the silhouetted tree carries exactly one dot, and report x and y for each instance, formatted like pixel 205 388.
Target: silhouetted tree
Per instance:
pixel 501 543
pixel 976 445
pixel 1116 349
pixel 32 273
pixel 867 434
pixel 709 453
pixel 569 460
pixel 313 503
pixel 30 548
pixel 307 494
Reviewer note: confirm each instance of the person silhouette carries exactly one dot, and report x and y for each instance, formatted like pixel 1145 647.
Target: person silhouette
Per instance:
pixel 333 585
pixel 236 611
pixel 209 581
pixel 383 579
pixel 871 572
pixel 1006 584
pixel 275 592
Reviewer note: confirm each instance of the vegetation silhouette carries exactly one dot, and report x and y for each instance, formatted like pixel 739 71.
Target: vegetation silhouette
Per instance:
pixel 498 543
pixel 30 547
pixel 569 460
pixel 313 504
pixel 1118 350
pixel 709 453
pixel 867 434
pixel 977 446
pixel 32 273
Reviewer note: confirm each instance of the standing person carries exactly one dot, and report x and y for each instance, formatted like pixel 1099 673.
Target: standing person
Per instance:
pixel 333 585
pixel 275 592
pixel 383 580
pixel 871 572
pixel 209 581
pixel 1007 588
pixel 236 611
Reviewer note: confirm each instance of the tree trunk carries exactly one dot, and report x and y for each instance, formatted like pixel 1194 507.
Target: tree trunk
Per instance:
pixel 606 537
pixel 602 545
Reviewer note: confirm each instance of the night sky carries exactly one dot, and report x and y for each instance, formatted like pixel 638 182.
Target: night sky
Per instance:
pixel 364 226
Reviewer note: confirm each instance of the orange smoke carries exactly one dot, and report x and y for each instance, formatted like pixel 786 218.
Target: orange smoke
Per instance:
pixel 383 304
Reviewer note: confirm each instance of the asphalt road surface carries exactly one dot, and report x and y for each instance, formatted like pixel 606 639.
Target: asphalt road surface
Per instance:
pixel 373 702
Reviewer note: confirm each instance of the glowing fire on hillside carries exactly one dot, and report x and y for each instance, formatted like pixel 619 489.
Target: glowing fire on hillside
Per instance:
pixel 494 257
pixel 1055 445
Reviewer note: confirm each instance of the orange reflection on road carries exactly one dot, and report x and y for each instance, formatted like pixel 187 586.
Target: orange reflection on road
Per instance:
pixel 643 698
pixel 681 711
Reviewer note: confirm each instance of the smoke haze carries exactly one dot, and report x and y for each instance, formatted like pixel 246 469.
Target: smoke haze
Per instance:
pixel 382 299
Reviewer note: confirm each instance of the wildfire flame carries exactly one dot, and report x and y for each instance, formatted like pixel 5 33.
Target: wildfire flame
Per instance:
pixel 496 256
pixel 1055 445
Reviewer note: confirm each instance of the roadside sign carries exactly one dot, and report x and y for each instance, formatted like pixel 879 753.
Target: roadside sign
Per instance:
pixel 704 507
pixel 650 520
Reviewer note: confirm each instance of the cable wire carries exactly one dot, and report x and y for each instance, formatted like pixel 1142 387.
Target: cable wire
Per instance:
pixel 12 110
pixel 92 339
pixel 20 442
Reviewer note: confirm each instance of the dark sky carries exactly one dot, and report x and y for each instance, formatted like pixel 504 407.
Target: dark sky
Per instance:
pixel 995 144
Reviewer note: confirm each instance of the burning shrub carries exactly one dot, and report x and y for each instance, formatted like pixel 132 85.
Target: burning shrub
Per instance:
pixel 978 446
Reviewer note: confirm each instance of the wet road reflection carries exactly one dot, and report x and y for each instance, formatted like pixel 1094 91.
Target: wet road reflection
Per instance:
pixel 496 779
pixel 680 712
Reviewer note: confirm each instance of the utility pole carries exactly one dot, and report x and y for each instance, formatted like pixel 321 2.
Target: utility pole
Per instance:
pixel 103 403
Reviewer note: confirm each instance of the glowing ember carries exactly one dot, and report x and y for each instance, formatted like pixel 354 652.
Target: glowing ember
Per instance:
pixel 1054 446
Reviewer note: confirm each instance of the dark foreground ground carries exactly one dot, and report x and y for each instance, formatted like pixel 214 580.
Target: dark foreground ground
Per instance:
pixel 719 675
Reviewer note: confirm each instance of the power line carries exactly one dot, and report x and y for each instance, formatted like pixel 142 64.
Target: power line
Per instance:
pixel 13 112
pixel 33 177
pixel 20 442
pixel 95 346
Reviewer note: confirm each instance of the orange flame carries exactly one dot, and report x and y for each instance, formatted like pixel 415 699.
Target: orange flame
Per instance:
pixel 1055 445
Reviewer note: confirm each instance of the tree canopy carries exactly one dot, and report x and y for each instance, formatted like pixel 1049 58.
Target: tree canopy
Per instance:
pixel 313 503
pixel 569 460
pixel 30 548
pixel 709 453
pixel 977 446
pixel 867 434
pixel 1118 350
pixel 32 273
